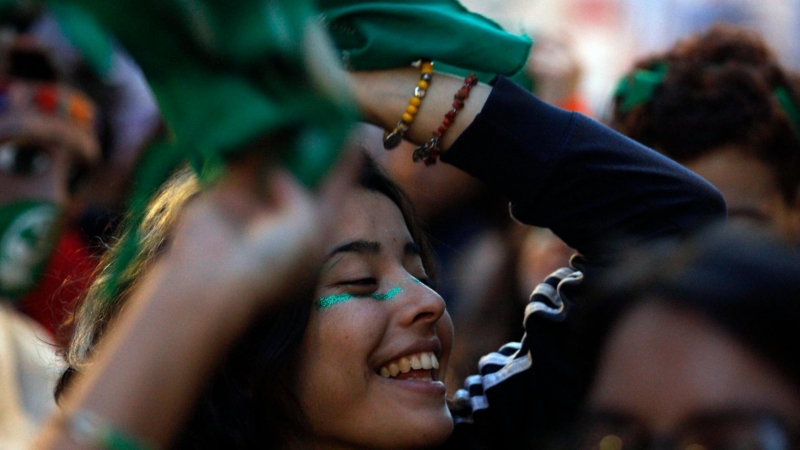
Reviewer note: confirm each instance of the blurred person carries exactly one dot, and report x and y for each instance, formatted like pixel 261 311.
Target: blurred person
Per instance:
pixel 540 253
pixel 721 104
pixel 556 71
pixel 47 142
pixel 127 119
pixel 692 346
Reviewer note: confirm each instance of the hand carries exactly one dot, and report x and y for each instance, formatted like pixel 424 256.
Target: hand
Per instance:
pixel 555 69
pixel 383 96
pixel 256 238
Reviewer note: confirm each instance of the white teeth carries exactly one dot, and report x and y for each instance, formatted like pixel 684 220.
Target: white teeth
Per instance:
pixel 425 360
pixel 419 361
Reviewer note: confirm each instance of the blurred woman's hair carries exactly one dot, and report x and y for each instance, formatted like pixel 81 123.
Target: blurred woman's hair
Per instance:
pixel 248 403
pixel 719 88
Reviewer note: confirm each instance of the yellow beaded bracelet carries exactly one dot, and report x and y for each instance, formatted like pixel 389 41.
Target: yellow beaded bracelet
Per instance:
pixel 393 139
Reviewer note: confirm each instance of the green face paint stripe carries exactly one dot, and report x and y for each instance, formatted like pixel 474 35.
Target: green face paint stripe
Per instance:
pixel 327 302
pixel 389 295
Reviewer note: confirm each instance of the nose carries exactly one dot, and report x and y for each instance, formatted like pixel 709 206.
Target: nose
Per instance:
pixel 421 305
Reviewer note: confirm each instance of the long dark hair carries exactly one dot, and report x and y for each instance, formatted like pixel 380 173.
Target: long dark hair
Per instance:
pixel 247 404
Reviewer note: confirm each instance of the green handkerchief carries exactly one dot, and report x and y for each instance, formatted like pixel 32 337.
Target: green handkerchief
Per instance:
pixel 385 34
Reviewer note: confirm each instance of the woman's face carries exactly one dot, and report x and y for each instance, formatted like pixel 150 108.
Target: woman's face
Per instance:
pixel 38 170
pixel 673 374
pixel 378 341
pixel 750 189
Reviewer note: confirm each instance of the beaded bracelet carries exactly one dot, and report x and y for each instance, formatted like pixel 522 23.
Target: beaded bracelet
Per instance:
pixel 430 151
pixel 393 139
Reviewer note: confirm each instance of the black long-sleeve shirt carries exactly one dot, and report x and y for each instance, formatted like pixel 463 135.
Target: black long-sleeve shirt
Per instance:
pixel 596 189
pixel 589 184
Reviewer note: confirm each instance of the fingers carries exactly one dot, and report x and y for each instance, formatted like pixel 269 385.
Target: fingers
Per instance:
pixel 259 233
pixel 341 178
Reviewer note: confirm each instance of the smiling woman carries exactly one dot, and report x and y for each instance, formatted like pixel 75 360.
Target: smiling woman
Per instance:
pixel 373 310
pixel 376 342
pixel 348 350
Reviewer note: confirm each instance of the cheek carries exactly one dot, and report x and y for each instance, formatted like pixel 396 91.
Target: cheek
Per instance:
pixel 333 360
pixel 444 329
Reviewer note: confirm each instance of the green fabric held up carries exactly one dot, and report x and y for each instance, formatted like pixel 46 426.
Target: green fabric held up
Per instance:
pixel 85 33
pixel 385 34
pixel 228 72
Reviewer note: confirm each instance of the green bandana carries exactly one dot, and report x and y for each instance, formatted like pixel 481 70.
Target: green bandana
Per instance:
pixel 228 72
pixel 386 34
pixel 27 232
pixel 225 73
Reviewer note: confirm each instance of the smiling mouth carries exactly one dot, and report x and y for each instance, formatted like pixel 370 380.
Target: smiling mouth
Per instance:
pixel 421 366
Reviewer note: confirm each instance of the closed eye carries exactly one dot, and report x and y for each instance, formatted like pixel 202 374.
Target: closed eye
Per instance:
pixel 358 282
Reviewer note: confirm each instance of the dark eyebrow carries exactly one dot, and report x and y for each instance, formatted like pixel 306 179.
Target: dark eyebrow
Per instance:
pixel 357 247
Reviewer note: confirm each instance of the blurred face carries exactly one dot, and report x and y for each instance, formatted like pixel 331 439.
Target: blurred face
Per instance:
pixel 750 190
pixel 38 175
pixel 33 169
pixel 378 340
pixel 672 375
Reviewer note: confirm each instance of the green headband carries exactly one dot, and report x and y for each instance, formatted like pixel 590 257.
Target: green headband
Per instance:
pixel 639 88
pixel 790 108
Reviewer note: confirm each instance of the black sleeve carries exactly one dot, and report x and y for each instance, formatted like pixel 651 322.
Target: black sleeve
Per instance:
pixel 586 182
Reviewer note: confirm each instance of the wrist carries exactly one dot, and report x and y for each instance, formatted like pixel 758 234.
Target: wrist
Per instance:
pixel 383 95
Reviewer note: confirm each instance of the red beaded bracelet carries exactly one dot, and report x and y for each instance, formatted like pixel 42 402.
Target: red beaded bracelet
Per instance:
pixel 430 151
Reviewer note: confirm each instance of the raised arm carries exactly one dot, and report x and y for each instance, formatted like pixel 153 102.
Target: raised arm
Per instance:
pixel 561 170
pixel 239 251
